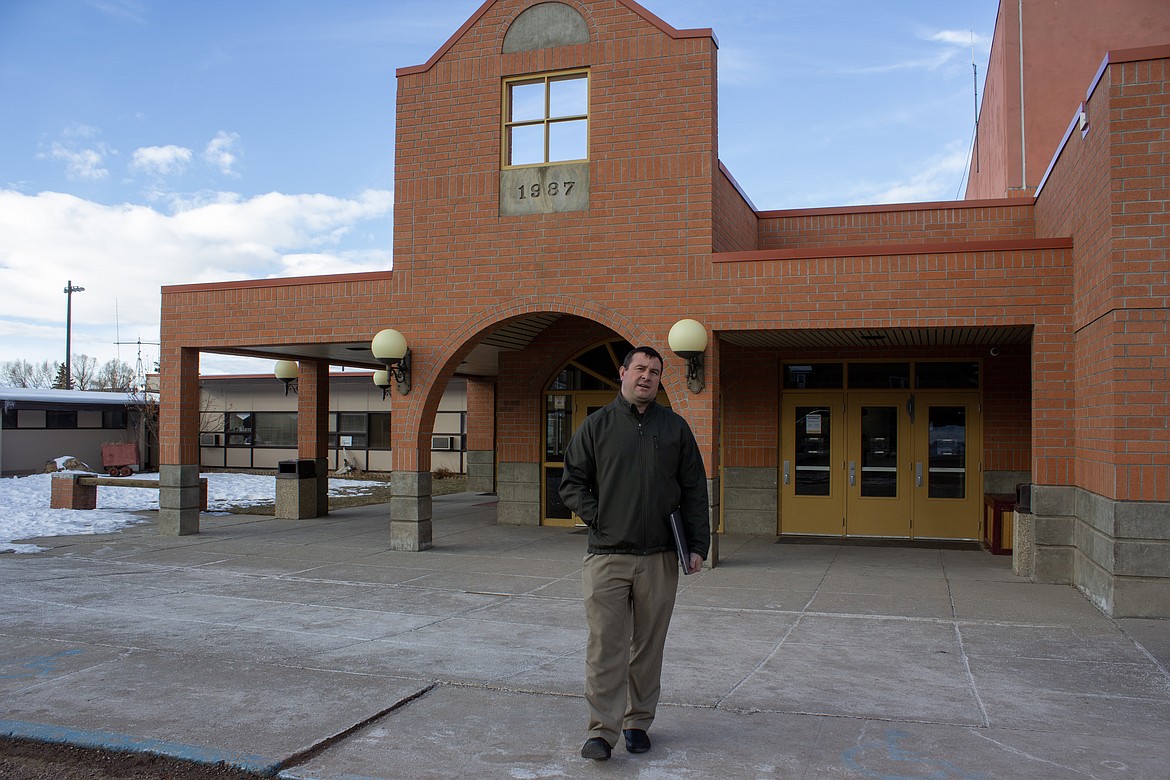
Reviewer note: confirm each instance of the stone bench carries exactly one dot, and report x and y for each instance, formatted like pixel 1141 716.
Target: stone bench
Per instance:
pixel 79 491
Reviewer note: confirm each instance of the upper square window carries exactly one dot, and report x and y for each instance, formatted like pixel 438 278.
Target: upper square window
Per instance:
pixel 546 119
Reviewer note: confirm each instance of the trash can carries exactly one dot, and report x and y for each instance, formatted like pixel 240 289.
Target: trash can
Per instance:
pixel 296 489
pixel 296 469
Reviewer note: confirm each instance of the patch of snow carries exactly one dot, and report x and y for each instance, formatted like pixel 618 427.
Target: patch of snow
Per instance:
pixel 26 514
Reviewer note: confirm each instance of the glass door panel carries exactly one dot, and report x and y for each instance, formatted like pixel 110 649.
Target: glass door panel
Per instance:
pixel 946 472
pixel 811 490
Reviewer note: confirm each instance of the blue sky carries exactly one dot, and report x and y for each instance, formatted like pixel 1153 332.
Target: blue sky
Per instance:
pixel 153 142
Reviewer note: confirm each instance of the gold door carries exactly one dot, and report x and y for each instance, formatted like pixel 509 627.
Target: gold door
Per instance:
pixel 877 470
pixel 812 490
pixel 564 414
pixel 947 469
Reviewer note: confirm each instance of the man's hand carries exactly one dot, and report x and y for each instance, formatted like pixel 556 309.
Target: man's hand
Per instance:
pixel 696 563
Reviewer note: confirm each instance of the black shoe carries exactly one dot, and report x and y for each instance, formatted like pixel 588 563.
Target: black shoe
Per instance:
pixel 636 740
pixel 597 749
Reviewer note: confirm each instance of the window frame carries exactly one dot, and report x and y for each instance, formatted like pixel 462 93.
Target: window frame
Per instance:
pixel 506 124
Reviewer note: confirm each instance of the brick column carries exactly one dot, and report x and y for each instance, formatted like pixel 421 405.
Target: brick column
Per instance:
pixel 179 492
pixel 481 436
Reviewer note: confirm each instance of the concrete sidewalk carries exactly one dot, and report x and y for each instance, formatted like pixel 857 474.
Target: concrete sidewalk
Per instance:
pixel 304 647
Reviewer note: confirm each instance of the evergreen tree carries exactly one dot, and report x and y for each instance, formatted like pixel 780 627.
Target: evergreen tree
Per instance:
pixel 61 382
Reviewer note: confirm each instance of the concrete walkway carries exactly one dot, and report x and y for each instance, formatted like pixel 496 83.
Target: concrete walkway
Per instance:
pixel 308 649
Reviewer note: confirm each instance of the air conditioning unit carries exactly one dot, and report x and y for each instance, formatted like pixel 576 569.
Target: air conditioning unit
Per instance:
pixel 442 442
pixel 209 440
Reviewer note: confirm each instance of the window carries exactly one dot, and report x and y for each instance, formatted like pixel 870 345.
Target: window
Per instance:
pixel 879 376
pixel 379 430
pixel 114 419
pixel 814 376
pixel 54 419
pixel 9 415
pixel 239 429
pixel 351 428
pixel 546 119
pixel 275 429
pixel 947 376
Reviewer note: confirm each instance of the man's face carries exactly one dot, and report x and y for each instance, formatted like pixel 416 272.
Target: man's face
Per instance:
pixel 640 381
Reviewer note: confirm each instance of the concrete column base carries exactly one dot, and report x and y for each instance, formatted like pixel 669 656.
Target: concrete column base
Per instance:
pixel 518 488
pixel 179 499
pixel 481 471
pixel 410 511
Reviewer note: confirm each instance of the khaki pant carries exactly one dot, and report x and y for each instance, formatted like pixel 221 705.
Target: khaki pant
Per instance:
pixel 628 603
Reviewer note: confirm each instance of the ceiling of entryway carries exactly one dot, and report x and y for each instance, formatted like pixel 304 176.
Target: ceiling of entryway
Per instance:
pixel 519 333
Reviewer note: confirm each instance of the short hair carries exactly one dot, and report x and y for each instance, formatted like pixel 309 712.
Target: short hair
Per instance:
pixel 647 351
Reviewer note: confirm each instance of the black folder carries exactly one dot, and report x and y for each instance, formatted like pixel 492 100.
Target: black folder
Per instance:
pixel 680 541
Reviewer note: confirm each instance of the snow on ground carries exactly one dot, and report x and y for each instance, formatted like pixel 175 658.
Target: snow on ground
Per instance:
pixel 25 512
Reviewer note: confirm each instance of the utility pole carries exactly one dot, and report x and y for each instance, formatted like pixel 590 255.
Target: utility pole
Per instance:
pixel 69 290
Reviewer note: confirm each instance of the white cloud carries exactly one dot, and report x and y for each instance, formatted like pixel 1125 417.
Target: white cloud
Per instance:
pixel 966 38
pixel 87 164
pixel 934 178
pixel 161 160
pixel 932 62
pixel 123 254
pixel 221 152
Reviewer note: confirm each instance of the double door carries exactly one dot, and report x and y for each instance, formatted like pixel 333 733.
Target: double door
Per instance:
pixel 889 463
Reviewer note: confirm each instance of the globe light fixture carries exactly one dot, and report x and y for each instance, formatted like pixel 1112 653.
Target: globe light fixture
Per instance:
pixel 286 371
pixel 688 340
pixel 389 348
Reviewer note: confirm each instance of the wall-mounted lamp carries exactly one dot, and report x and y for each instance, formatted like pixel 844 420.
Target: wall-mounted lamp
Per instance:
pixel 389 348
pixel 286 371
pixel 382 380
pixel 688 339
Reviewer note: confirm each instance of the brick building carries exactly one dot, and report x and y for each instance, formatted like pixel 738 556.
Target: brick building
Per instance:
pixel 869 371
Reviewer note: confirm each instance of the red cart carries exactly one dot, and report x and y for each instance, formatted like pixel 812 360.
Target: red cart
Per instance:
pixel 118 458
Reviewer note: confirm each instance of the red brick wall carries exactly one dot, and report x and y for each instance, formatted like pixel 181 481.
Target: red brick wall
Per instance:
pixel 1109 189
pixel 1007 406
pixel 481 413
pixel 736 223
pixel 915 223
pixel 750 387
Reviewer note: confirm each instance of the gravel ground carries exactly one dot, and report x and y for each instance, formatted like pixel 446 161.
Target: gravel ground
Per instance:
pixel 25 760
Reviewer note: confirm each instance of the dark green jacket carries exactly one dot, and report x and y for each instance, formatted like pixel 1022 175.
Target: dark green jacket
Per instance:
pixel 625 473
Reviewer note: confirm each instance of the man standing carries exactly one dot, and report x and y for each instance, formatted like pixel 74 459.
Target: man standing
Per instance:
pixel 627 468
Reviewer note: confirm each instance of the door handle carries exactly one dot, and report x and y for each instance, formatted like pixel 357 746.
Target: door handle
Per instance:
pixel 787 476
pixel 918 474
pixel 852 473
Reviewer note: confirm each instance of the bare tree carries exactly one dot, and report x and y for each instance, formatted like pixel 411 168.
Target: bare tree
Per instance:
pixel 44 373
pixel 114 375
pixel 16 373
pixel 21 373
pixel 83 371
